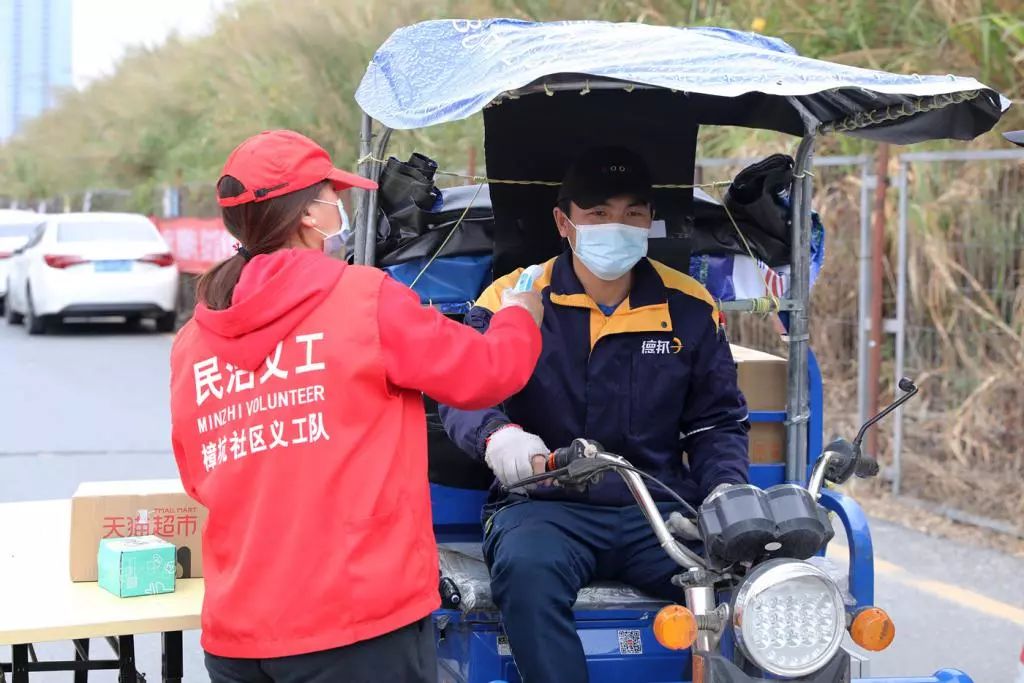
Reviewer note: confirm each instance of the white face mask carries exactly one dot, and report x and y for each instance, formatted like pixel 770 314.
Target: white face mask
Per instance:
pixel 609 250
pixel 334 244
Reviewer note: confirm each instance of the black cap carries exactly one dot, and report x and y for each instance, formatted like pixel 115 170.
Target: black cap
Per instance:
pixel 1016 137
pixel 604 172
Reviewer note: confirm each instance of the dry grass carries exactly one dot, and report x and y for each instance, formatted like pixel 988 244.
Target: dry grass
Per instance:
pixel 963 437
pixel 967 286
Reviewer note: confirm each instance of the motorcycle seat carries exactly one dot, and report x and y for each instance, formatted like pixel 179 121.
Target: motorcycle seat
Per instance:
pixel 464 564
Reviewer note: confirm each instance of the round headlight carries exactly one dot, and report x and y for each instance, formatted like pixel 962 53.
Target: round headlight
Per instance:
pixel 789 618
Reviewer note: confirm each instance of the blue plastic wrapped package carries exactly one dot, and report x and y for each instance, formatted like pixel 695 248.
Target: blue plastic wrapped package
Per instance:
pixel 448 280
pixel 731 277
pixel 817 239
pixel 817 246
pixel 715 273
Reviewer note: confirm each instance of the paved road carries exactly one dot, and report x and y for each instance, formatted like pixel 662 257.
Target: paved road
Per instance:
pixel 91 403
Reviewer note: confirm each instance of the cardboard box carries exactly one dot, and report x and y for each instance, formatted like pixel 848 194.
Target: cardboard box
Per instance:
pixel 124 509
pixel 764 382
pixel 130 567
pixel 762 378
pixel 767 443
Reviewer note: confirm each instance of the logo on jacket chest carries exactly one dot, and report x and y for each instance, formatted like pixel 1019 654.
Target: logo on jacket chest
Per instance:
pixel 660 347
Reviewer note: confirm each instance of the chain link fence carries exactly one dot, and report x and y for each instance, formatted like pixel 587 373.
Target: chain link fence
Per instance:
pixel 964 330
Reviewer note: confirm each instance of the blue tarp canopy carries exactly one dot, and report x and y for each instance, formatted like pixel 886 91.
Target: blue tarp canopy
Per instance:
pixel 446 70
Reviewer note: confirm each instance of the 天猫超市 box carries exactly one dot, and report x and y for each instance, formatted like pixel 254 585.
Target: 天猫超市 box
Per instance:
pixel 125 509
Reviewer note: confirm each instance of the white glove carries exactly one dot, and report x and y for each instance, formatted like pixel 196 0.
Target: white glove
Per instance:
pixel 510 452
pixel 686 529
pixel 529 300
pixel 683 528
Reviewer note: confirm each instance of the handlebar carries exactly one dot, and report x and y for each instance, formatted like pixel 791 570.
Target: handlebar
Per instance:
pixel 910 390
pixel 578 449
pixel 841 459
pixel 584 461
pixel 682 555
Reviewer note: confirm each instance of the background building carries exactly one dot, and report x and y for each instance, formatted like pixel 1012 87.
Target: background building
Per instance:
pixel 35 58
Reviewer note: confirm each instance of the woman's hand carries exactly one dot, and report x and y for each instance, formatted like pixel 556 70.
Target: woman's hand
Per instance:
pixel 530 300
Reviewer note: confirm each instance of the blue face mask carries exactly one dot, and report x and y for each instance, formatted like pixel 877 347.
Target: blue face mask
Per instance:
pixel 610 250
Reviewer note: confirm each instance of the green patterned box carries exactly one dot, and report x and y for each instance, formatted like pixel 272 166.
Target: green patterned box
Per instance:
pixel 143 565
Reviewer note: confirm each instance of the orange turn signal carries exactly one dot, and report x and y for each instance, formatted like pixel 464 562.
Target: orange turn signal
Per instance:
pixel 873 629
pixel 675 627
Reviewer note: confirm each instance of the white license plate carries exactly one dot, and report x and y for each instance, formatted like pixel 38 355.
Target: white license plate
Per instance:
pixel 113 266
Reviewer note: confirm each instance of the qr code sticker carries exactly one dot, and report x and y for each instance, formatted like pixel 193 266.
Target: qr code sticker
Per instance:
pixel 630 643
pixel 503 647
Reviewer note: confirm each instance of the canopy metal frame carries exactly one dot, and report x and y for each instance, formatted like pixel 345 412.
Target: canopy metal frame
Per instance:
pixel 794 310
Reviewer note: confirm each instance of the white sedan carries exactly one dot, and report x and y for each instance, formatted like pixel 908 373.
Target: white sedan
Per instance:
pixel 15 229
pixel 93 264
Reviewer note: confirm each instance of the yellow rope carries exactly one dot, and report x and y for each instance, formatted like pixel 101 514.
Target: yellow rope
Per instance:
pixel 771 299
pixel 448 238
pixel 877 117
pixel 760 306
pixel 546 183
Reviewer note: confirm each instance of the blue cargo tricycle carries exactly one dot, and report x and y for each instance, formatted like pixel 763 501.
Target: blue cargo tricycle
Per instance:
pixel 761 603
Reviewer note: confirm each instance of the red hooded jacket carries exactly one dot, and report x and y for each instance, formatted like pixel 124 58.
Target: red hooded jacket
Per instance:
pixel 298 421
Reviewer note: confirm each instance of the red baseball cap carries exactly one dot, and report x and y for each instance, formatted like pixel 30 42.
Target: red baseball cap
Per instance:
pixel 277 162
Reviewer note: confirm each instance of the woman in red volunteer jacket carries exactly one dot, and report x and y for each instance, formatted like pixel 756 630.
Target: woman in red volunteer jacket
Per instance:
pixel 298 421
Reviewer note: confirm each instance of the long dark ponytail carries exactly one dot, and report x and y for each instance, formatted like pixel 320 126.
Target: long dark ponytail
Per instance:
pixel 261 228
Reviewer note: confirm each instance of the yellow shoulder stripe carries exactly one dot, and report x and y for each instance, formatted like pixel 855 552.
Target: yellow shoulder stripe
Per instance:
pixel 681 282
pixel 491 297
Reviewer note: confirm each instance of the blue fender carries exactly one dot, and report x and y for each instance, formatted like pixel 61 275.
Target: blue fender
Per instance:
pixel 943 676
pixel 862 557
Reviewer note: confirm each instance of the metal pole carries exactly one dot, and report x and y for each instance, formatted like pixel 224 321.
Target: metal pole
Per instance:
pixel 364 222
pixel 877 284
pixel 701 601
pixel 370 247
pixel 797 407
pixel 901 325
pixel 968 155
pixel 864 298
